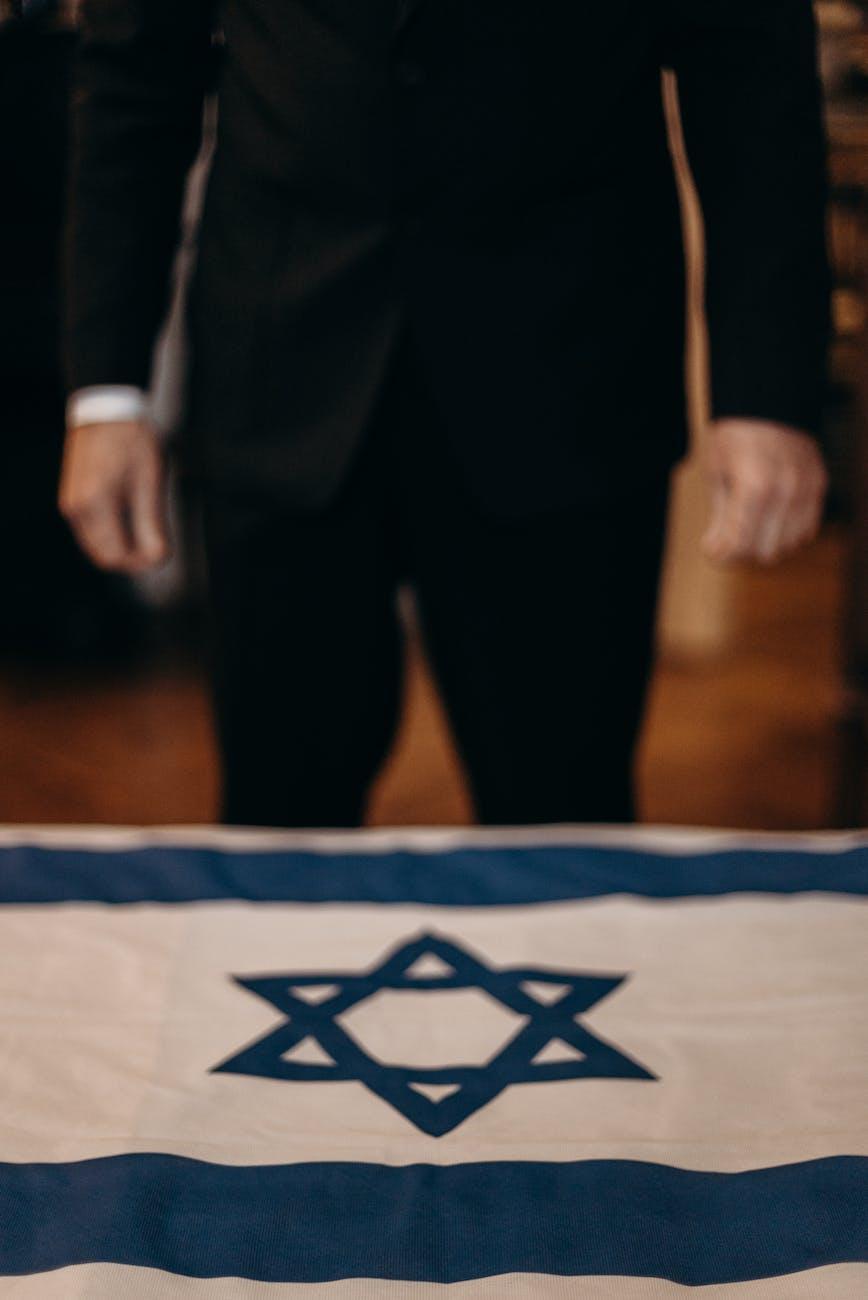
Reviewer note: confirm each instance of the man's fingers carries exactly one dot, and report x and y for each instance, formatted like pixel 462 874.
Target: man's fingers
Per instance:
pixel 111 492
pixel 798 517
pixel 712 537
pixel 741 514
pixel 747 507
pixel 100 530
pixel 811 518
pixel 772 537
pixel 765 522
pixel 802 523
pixel 776 484
pixel 147 521
pixel 779 524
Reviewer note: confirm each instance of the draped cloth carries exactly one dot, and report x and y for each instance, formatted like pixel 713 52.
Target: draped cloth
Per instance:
pixel 564 1063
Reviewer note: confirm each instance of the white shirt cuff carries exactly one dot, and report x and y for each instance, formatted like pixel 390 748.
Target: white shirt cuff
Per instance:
pixel 106 404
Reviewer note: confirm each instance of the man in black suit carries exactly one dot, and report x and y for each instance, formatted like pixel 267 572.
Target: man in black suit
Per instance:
pixel 437 335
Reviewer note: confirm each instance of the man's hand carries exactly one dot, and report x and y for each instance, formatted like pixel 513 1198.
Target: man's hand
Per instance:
pixel 768 486
pixel 112 492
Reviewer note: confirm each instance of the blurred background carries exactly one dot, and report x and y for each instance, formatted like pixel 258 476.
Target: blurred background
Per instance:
pixel 758 712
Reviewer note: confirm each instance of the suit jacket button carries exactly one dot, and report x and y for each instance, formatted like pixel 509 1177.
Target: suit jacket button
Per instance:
pixel 409 74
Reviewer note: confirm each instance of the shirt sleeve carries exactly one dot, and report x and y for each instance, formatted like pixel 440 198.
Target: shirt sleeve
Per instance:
pixel 106 404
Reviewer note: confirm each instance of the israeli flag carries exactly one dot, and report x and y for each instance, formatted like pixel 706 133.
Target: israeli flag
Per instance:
pixel 558 1064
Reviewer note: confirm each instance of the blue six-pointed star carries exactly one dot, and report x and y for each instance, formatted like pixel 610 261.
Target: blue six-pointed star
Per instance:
pixel 549 1000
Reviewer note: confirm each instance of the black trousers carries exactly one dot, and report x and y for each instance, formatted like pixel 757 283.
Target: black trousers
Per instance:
pixel 540 632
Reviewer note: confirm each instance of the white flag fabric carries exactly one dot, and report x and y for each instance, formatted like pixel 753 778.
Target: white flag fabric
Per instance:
pixel 569 1063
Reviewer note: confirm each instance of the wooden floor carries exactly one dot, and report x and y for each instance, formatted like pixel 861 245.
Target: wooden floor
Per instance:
pixel 746 739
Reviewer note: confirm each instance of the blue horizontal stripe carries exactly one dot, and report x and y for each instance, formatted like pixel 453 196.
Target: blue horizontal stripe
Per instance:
pixel 462 877
pixel 321 1222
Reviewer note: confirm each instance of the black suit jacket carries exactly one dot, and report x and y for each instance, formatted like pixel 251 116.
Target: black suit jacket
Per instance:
pixel 492 175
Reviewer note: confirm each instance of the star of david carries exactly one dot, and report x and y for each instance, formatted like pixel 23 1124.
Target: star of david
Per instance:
pixel 551 1044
